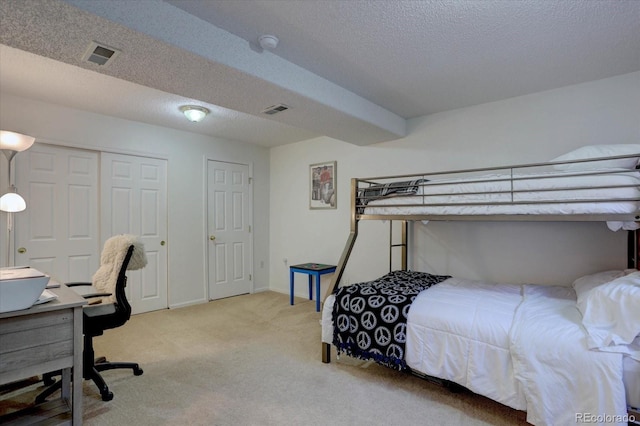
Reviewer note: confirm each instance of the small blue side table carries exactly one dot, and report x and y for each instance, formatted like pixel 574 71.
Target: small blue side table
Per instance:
pixel 312 270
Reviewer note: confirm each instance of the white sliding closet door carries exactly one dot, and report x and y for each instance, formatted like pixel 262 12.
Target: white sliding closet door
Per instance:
pixel 58 233
pixel 134 201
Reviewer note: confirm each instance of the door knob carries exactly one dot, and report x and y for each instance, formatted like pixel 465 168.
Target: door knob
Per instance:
pixel 212 237
pixel 22 250
pixel 162 243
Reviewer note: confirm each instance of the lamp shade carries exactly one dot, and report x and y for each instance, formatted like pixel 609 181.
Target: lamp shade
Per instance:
pixel 15 141
pixel 12 203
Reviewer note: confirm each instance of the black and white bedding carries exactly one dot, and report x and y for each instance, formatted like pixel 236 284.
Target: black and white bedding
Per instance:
pixel 522 345
pixel 376 192
pixel 371 317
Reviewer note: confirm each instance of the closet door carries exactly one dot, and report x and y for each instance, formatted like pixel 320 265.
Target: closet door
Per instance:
pixel 229 230
pixel 134 201
pixel 58 233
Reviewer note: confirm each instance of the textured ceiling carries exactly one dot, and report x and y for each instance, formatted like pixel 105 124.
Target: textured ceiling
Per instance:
pixel 420 57
pixel 354 70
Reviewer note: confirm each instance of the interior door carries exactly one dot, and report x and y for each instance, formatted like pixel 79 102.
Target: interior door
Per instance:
pixel 134 201
pixel 58 233
pixel 229 230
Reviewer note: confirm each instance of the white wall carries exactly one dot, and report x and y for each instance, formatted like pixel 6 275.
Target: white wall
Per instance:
pixel 533 128
pixel 185 152
pixel 524 129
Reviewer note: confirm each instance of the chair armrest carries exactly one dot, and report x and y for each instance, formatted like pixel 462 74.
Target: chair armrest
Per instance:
pixel 86 290
pixel 90 295
pixel 76 284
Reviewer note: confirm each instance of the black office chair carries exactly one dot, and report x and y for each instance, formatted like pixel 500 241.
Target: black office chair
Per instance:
pixel 112 311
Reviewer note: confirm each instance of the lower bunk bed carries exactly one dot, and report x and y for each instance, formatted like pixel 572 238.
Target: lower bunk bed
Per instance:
pixel 525 346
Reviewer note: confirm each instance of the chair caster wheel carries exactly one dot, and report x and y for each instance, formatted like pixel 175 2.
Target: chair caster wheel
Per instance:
pixel 137 371
pixel 108 396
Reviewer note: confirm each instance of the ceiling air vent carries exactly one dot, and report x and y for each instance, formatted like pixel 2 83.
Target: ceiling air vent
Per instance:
pixel 99 54
pixel 274 109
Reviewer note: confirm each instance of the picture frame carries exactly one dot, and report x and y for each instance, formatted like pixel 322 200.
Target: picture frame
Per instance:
pixel 323 185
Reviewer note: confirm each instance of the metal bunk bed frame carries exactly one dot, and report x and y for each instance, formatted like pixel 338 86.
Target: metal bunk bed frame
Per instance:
pixel 359 201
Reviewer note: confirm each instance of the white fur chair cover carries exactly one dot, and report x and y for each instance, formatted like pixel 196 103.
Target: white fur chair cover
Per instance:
pixel 111 259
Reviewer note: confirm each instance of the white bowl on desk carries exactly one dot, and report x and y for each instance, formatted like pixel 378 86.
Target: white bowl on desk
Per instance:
pixel 20 288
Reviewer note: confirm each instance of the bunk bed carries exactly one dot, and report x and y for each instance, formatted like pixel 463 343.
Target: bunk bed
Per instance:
pixel 504 341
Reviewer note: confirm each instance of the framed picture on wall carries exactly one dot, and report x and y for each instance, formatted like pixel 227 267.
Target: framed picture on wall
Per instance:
pixel 322 185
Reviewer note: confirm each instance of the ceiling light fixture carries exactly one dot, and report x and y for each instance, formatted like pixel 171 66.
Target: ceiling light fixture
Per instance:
pixel 268 42
pixel 194 113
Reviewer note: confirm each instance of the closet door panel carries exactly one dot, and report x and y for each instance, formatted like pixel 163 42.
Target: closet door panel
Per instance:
pixel 58 233
pixel 134 201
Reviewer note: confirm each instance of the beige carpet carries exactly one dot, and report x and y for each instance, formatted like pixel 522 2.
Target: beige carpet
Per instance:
pixel 255 360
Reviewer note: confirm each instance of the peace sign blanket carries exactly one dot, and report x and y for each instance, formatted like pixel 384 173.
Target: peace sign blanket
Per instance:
pixel 370 318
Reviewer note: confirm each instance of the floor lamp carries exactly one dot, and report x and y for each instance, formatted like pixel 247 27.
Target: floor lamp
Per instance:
pixel 11 202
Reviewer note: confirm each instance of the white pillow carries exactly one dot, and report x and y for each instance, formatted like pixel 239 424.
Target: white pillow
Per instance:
pixel 584 285
pixel 612 312
pixel 597 151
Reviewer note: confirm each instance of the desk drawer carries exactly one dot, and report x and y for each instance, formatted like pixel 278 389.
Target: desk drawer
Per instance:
pixel 35 339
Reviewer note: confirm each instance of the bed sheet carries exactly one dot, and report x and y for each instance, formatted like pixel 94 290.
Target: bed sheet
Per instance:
pixel 631 379
pixel 327 321
pixel 591 381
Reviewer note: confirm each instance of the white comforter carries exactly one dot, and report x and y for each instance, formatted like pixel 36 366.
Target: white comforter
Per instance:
pixel 458 330
pixel 523 346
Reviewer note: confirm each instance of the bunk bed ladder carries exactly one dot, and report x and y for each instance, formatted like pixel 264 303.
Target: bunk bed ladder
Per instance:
pixel 342 263
pixel 403 244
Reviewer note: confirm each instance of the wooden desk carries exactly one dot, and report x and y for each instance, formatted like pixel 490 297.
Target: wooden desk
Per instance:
pixel 41 339
pixel 313 270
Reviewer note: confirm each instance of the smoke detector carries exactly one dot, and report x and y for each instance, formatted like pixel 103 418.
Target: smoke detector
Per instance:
pixel 268 42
